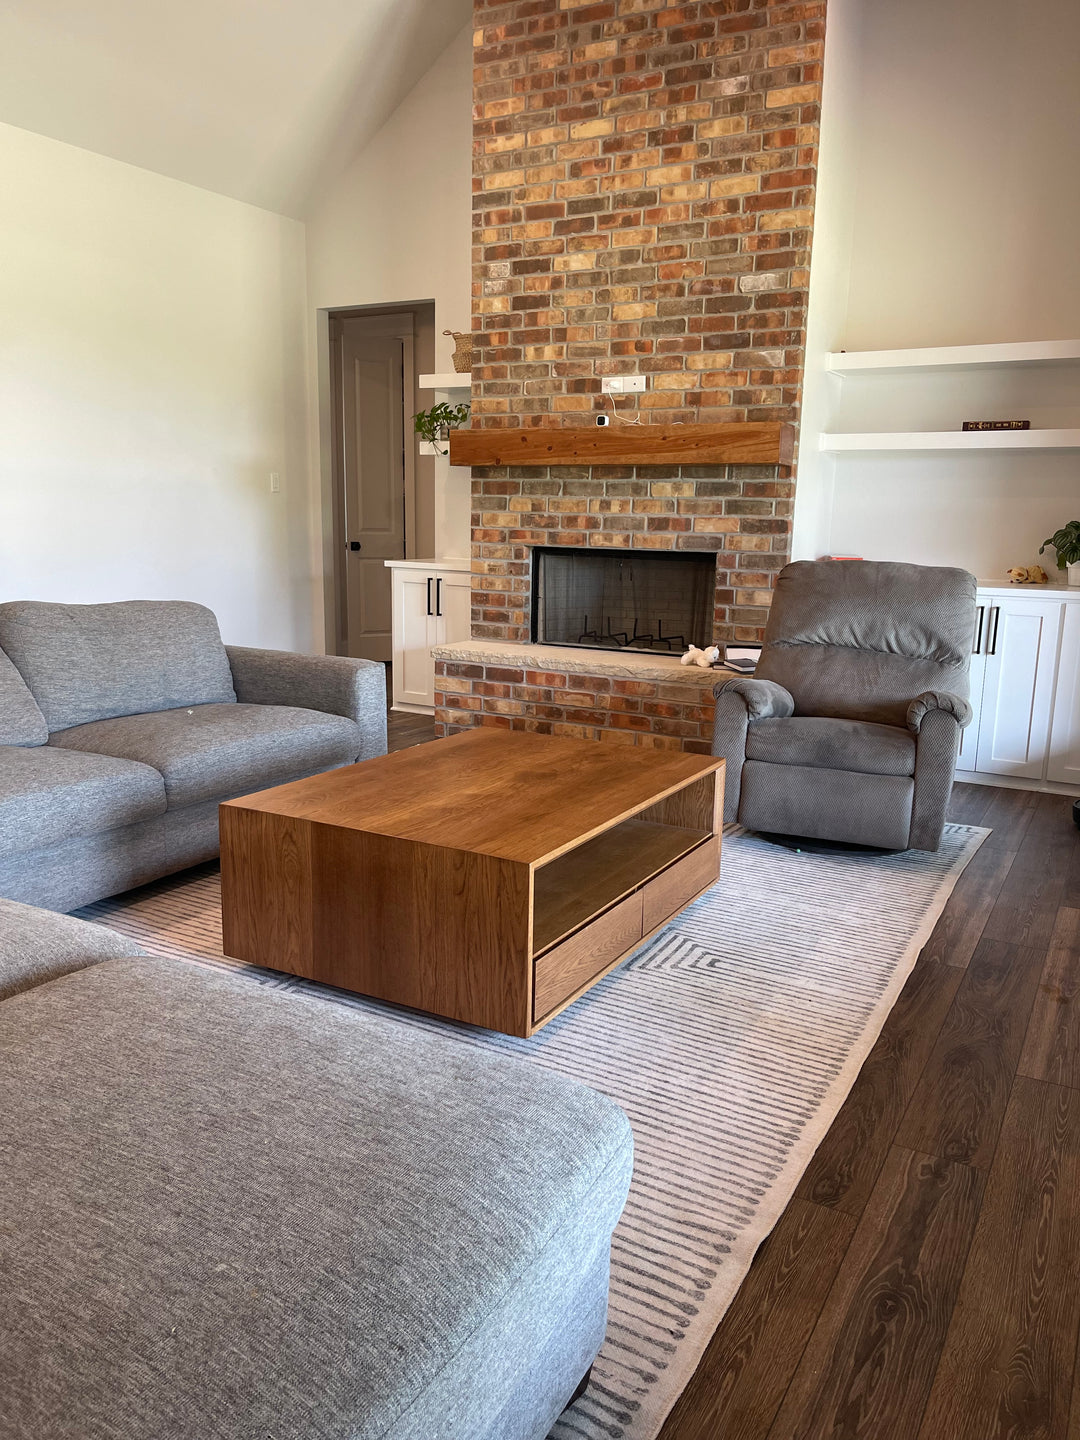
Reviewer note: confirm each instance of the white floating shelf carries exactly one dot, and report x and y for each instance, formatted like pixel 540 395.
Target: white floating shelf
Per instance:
pixel 944 357
pixel 956 440
pixel 453 380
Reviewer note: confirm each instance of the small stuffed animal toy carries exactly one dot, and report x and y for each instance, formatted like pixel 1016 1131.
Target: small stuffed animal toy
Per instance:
pixel 1018 574
pixel 1037 575
pixel 704 658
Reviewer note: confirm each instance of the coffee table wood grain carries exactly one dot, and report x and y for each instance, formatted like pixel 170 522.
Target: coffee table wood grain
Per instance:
pixel 491 877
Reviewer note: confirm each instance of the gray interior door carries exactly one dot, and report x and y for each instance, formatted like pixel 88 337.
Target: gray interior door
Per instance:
pixel 373 474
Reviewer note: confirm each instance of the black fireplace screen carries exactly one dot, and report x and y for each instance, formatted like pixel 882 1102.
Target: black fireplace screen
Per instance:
pixel 623 599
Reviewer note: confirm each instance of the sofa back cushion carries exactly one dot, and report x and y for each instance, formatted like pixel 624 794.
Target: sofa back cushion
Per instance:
pixel 92 662
pixel 860 639
pixel 21 722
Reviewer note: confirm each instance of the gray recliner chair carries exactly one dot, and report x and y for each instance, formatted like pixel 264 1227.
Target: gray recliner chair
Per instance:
pixel 850 728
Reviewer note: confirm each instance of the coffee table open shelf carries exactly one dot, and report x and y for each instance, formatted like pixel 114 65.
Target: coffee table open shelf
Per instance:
pixel 492 877
pixel 573 889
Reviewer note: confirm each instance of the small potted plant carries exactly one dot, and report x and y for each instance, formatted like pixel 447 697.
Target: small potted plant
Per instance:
pixel 434 425
pixel 1066 542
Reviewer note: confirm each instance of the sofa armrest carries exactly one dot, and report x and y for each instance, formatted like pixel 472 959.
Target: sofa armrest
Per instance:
pixel 929 700
pixel 334 684
pixel 764 699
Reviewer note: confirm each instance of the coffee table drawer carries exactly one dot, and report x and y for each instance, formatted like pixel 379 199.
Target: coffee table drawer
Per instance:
pixel 591 949
pixel 679 883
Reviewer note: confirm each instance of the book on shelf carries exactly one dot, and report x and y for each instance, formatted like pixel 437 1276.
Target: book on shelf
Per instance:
pixel 997 425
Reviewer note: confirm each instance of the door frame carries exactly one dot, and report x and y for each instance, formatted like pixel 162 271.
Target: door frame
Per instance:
pixel 419 314
pixel 392 324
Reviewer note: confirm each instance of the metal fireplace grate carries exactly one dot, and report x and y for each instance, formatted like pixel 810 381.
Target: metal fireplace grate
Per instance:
pixel 623 599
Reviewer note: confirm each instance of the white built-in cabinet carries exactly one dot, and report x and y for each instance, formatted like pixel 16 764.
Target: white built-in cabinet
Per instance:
pixel 1025 687
pixel 432 601
pixel 1063 767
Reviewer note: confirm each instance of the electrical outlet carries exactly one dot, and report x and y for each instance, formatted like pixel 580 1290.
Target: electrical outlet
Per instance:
pixel 275 482
pixel 623 384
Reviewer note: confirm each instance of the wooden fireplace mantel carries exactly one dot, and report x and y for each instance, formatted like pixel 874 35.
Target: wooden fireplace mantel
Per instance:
pixel 735 443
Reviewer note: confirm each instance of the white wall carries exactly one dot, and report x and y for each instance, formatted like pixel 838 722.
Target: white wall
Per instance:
pixel 397 227
pixel 151 379
pixel 948 212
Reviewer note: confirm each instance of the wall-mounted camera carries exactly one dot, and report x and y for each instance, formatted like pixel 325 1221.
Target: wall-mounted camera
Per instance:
pixel 603 420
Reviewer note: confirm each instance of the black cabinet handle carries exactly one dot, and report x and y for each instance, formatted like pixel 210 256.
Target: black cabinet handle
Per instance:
pixel 429 594
pixel 438 596
pixel 980 611
pixel 996 612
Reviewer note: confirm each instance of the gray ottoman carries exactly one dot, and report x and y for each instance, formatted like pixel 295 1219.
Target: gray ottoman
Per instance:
pixel 230 1214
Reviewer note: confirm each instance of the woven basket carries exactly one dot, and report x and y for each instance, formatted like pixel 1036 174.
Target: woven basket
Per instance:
pixel 463 350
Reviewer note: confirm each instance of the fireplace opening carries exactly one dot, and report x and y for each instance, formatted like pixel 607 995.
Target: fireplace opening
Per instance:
pixel 644 600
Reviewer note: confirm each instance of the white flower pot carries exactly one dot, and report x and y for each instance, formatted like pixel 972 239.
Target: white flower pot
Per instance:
pixel 1074 573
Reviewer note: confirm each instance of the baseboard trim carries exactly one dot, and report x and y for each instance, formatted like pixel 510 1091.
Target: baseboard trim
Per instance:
pixel 1011 782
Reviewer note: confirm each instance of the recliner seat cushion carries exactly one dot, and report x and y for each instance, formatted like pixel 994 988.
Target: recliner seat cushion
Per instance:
pixel 208 752
pixel 91 662
pixel 49 795
pixel 830 744
pixel 21 721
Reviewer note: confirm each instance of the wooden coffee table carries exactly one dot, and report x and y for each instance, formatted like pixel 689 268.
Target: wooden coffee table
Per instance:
pixel 491 877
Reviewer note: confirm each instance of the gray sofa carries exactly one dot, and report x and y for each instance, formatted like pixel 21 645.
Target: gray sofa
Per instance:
pixel 227 1213
pixel 850 728
pixel 123 726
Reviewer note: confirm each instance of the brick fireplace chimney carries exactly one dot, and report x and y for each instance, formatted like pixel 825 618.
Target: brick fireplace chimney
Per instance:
pixel 643 187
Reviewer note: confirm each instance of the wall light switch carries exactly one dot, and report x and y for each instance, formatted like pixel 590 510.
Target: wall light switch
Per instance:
pixel 275 482
pixel 622 384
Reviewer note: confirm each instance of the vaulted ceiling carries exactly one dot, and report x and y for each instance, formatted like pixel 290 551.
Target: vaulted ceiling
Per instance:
pixel 258 99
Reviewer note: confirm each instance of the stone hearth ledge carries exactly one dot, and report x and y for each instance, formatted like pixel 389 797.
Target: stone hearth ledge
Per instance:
pixel 576 660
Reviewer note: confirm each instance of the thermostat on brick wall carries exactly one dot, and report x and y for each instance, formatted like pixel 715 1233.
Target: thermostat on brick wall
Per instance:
pixel 622 384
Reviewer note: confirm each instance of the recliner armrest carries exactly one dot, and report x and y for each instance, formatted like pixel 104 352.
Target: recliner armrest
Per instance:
pixel 335 684
pixel 764 699
pixel 929 700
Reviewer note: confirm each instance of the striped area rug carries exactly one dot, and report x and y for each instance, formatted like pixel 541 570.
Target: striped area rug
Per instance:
pixel 730 1041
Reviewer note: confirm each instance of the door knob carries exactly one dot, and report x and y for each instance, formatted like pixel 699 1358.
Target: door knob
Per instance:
pixel 354 545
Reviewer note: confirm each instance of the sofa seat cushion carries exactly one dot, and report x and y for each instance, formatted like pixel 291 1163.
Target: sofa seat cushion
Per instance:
pixel 49 795
pixel 226 1211
pixel 208 752
pixel 828 744
pixel 36 945
pixel 88 662
pixel 21 722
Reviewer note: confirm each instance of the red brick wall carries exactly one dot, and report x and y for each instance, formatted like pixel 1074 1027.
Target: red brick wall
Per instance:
pixel 675 716
pixel 644 186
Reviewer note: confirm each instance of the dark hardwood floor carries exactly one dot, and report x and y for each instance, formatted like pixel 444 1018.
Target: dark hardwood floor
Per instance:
pixel 404 730
pixel 924 1283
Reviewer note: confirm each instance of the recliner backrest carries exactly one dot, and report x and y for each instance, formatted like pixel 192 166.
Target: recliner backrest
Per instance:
pixel 92 662
pixel 860 639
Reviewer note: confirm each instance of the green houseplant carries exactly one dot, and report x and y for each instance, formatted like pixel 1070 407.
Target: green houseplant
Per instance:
pixel 1066 542
pixel 434 425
